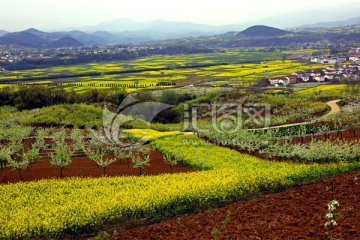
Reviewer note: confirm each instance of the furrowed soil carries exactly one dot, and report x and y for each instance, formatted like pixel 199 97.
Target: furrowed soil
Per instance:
pixel 84 167
pixel 297 213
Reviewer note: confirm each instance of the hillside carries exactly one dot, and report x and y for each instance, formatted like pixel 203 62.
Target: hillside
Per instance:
pixel 25 39
pixel 66 42
pixel 263 31
pixel 86 38
pixel 2 32
pixel 38 39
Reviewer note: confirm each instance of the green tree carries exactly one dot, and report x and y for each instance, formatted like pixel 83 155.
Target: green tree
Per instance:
pixel 350 121
pixel 145 96
pixel 170 161
pixel 99 157
pixel 60 136
pixel 77 137
pixel 141 162
pixel 61 157
pixel 169 97
pixel 5 155
pixel 120 153
pixel 22 161
pixel 40 139
pixel 32 155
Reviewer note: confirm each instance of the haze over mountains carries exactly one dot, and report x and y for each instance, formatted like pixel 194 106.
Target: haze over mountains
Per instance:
pixel 349 22
pixel 298 18
pixel 123 31
pixel 2 32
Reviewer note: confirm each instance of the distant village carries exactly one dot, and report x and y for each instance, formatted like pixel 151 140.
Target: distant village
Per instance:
pixel 338 69
pixel 14 53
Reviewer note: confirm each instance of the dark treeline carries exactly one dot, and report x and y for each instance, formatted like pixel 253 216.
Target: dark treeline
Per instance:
pixel 30 97
pixel 104 57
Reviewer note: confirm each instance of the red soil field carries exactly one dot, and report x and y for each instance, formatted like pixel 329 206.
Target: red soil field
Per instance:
pixel 343 135
pixel 297 213
pixel 84 167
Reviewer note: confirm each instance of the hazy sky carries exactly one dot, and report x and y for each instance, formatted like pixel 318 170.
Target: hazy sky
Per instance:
pixel 57 14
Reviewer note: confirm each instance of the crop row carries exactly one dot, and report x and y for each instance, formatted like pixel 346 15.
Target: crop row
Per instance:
pixel 150 79
pixel 280 142
pixel 54 207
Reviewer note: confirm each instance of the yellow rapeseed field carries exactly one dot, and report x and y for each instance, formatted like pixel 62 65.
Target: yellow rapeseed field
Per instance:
pixel 50 208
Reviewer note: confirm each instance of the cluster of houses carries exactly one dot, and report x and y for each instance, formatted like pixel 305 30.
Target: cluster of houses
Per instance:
pixel 331 74
pixel 328 60
pixel 353 56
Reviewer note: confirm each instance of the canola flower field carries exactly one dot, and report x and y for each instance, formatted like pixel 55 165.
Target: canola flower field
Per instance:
pixel 51 208
pixel 234 73
pixel 156 61
pixel 337 88
pixel 229 70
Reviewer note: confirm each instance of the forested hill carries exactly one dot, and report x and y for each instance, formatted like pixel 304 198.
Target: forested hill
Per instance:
pixel 261 30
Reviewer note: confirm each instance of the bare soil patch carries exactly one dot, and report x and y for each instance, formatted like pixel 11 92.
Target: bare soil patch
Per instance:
pixel 297 213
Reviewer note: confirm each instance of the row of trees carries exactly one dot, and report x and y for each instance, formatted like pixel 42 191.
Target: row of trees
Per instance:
pixel 29 97
pixel 335 124
pixel 315 151
pixel 65 146
pixel 279 142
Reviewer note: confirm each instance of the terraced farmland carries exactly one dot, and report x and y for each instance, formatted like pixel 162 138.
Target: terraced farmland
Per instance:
pixel 229 68
pixel 226 174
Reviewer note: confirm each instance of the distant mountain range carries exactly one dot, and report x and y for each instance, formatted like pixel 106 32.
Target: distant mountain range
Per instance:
pixel 124 31
pixel 38 39
pixel 349 22
pixel 170 29
pixel 259 35
pixel 154 27
pixel 24 38
pixel 315 15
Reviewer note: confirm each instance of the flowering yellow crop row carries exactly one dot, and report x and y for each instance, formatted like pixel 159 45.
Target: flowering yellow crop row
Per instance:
pixel 336 88
pixel 52 207
pixel 149 134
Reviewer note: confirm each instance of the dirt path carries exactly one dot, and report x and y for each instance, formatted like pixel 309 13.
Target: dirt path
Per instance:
pixel 334 109
pixel 332 104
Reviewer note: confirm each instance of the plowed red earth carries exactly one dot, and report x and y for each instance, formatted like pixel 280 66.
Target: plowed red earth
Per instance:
pixel 84 167
pixel 297 213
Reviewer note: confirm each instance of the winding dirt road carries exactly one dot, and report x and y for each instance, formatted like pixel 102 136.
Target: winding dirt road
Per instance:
pixel 332 104
pixel 334 109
